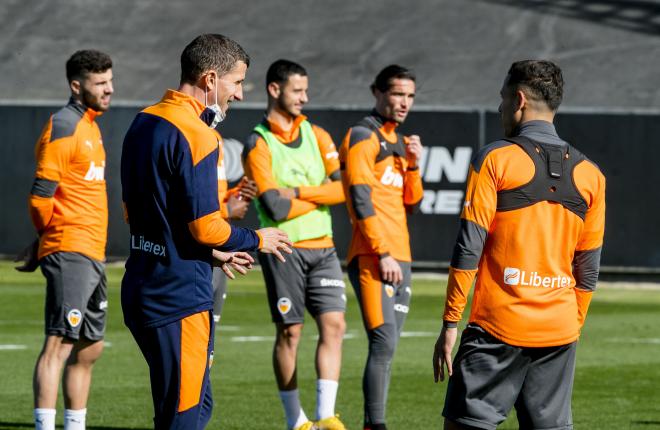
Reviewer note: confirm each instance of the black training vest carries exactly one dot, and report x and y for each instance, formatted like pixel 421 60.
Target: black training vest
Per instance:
pixel 552 181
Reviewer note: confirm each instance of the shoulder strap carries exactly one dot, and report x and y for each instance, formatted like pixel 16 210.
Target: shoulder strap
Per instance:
pixel 552 181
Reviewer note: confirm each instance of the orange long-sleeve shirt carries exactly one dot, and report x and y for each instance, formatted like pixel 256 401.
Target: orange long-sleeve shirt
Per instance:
pixel 68 202
pixel 257 163
pixel 537 262
pixel 380 185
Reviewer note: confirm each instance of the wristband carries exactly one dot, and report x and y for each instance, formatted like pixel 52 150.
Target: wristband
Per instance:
pixel 449 324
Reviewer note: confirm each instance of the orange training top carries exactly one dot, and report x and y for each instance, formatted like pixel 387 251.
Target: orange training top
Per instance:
pixel 533 232
pixel 381 186
pixel 68 201
pixel 257 165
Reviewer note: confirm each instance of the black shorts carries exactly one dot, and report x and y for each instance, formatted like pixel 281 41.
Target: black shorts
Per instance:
pixel 490 377
pixel 76 296
pixel 310 278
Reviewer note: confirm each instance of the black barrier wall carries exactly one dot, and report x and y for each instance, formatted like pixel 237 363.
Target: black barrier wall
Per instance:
pixel 623 145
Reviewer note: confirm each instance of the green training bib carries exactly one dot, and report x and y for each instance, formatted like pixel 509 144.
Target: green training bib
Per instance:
pixel 295 167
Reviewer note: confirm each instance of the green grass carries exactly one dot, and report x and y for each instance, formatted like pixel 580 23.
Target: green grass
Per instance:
pixel 617 379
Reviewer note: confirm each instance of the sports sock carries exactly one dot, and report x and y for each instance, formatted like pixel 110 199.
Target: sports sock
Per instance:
pixel 295 416
pixel 74 419
pixel 44 419
pixel 326 394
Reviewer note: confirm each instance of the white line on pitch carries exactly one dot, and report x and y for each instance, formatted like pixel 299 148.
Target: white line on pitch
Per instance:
pixel 21 322
pixel 418 334
pixel 252 338
pixel 12 347
pixel 346 336
pixel 643 340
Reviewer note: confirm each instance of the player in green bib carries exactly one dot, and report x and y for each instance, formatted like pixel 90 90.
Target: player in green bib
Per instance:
pixel 296 167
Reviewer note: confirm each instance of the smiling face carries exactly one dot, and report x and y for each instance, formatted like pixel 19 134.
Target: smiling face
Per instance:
pixel 395 103
pixel 229 86
pixel 94 90
pixel 292 94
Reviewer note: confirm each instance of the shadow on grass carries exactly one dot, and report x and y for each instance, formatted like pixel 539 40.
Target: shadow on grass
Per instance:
pixel 645 423
pixel 6 426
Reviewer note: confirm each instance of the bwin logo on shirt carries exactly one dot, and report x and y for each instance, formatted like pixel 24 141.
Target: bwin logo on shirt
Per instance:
pixel 390 177
pixel 95 173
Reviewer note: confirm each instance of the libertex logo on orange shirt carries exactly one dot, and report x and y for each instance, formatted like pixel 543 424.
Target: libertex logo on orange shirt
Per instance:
pixel 515 276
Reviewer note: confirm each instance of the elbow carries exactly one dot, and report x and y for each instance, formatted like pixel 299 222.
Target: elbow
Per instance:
pixel 210 230
pixel 276 207
pixel 360 195
pixel 586 267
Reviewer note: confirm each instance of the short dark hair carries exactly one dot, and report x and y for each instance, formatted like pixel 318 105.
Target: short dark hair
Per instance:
pixel 281 69
pixel 210 52
pixel 87 61
pixel 383 80
pixel 540 80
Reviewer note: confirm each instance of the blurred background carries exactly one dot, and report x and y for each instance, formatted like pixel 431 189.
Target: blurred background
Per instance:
pixel 609 52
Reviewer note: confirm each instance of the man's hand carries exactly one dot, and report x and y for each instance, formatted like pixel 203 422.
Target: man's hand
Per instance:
pixel 247 189
pixel 237 207
pixel 390 270
pixel 239 261
pixel 413 150
pixel 29 257
pixel 287 193
pixel 442 353
pixel 275 241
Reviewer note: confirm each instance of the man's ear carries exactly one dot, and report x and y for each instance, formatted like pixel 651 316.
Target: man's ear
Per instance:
pixel 274 90
pixel 521 100
pixel 75 86
pixel 208 81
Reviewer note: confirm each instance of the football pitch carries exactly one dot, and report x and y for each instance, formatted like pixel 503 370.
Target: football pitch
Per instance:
pixel 617 384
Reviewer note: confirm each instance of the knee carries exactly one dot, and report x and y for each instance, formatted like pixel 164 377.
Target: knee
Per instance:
pixel 289 335
pixel 56 350
pixel 383 341
pixel 333 329
pixel 87 353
